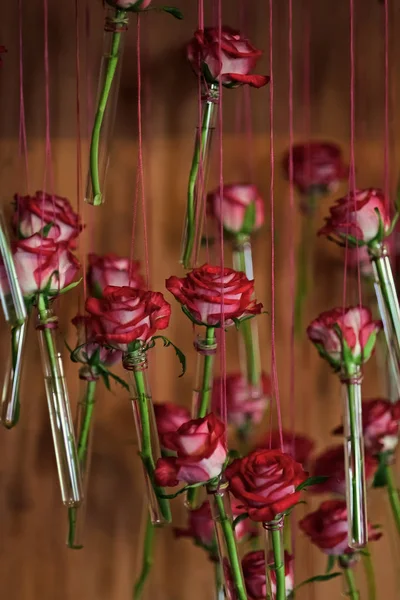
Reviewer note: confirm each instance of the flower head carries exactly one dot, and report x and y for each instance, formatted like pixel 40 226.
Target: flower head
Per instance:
pixel 240 209
pixel 254 573
pixel 299 446
pixel 110 269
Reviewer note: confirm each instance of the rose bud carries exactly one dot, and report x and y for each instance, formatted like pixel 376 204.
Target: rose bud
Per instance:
pixel 229 60
pixel 254 573
pixel 318 167
pixel 130 5
pixel 331 464
pixel 41 264
pixel 241 210
pixel 358 215
pixel 109 269
pixel 327 528
pixel 200 529
pixel 210 294
pixel 87 348
pixel 241 407
pixel 300 447
pixel 381 425
pixel 358 331
pixel 265 482
pixel 125 315
pixel 169 417
pixel 201 452
pixel 45 211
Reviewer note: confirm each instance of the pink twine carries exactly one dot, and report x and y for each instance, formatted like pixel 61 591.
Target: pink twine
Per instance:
pixel 292 230
pixel 23 145
pixel 387 131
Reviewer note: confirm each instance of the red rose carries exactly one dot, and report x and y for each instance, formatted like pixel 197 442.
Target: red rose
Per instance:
pixel 381 425
pixel 33 213
pixel 201 452
pixel 200 528
pixel 170 416
pixel 41 264
pixel 241 210
pixel 317 166
pixel 133 5
pixel 230 61
pixel 126 315
pixel 358 330
pixel 110 269
pixel 330 463
pixel 265 482
pixel 300 447
pixel 87 347
pixel 327 528
pixel 241 407
pixel 358 216
pixel 211 294
pixel 254 573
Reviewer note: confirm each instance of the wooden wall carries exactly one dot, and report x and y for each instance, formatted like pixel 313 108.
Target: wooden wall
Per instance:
pixel 34 561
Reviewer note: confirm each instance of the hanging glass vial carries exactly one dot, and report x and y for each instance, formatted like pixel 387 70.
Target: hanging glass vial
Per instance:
pixel 115 26
pixel 10 397
pixel 275 560
pixel 59 407
pixel 206 348
pixel 149 447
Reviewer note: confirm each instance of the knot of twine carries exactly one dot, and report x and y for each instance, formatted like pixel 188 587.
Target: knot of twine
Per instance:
pixel 204 347
pixel 378 251
pixel 135 361
pixel 352 379
pixel 50 322
pixel 221 486
pixel 273 525
pixel 89 373
pixel 116 24
pixel 211 94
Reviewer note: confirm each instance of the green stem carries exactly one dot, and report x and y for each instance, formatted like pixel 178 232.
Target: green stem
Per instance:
pixel 369 574
pixel 232 553
pixel 279 564
pixel 199 157
pixel 393 496
pixel 147 560
pixel 142 401
pixel 351 584
pixel 112 64
pixel 303 267
pixel 42 307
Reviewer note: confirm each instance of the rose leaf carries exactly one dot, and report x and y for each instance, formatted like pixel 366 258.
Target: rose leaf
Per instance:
pixel 325 577
pixel 118 379
pixel 69 287
pixel 380 479
pixel 178 352
pixel 46 229
pixel 172 10
pixel 330 564
pixel 311 481
pixel 239 519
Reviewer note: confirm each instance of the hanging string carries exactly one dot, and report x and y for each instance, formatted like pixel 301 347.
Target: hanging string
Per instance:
pixel 292 273
pixel 23 145
pixel 387 131
pixel 274 371
pixel 307 83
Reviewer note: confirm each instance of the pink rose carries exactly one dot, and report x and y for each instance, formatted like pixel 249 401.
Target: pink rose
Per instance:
pixel 200 528
pixel 41 264
pixel 241 210
pixel 87 349
pixel 317 167
pixel 209 294
pixel 327 528
pixel 241 407
pixel 201 452
pixel 358 331
pixel 130 5
pixel 230 61
pixel 109 269
pixel 170 416
pixel 125 315
pixel 34 213
pixel 254 573
pixel 358 216
pixel 381 425
pixel 300 447
pixel 246 529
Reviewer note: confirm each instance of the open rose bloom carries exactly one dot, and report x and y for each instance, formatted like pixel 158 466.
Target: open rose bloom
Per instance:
pixel 358 331
pixel 211 295
pixel 240 208
pixel 265 483
pixel 229 60
pixel 169 417
pixel 299 446
pixel 254 573
pixel 110 269
pixel 361 216
pixel 200 452
pixel 327 528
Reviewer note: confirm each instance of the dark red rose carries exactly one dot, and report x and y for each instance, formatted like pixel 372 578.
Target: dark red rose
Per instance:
pixel 210 294
pixel 265 482
pixel 110 269
pixel 330 463
pixel 200 528
pixel 229 61
pixel 381 425
pixel 299 446
pixel 327 528
pixel 317 167
pixel 87 347
pixel 201 452
pixel 125 315
pixel 254 573
pixel 34 213
pixel 170 416
pixel 358 215
pixel 241 209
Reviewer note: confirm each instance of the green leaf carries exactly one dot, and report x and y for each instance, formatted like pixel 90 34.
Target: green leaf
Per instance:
pixel 118 380
pixel 46 229
pixel 106 379
pixel 311 481
pixel 191 317
pixel 239 519
pixel 325 577
pixel 69 287
pixel 181 491
pixel 175 12
pixel 181 357
pixel 380 477
pixel 331 563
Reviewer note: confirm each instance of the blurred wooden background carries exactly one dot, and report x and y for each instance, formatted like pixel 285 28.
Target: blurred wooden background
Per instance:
pixel 34 561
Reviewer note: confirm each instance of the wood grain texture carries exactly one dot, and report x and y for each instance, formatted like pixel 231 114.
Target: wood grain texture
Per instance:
pixel 34 561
